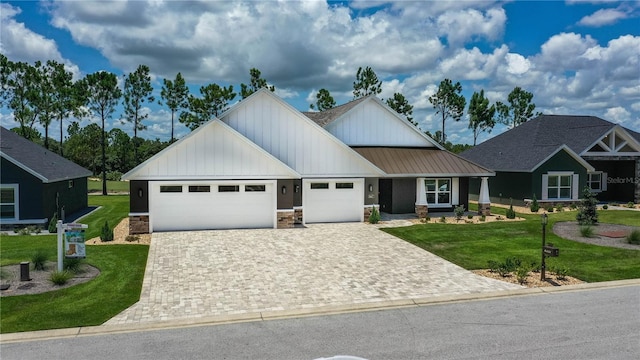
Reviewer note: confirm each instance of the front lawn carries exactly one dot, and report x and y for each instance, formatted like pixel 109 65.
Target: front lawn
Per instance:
pixel 472 246
pixel 95 186
pixel 116 288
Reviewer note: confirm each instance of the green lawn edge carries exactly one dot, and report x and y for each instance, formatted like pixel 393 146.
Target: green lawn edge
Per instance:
pixel 117 287
pixel 471 246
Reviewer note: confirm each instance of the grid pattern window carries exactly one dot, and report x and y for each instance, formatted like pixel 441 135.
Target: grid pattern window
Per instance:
pixel 594 181
pixel 438 191
pixel 229 188
pixel 199 188
pixel 559 187
pixel 319 185
pixel 344 185
pixel 8 202
pixel 255 188
pixel 170 188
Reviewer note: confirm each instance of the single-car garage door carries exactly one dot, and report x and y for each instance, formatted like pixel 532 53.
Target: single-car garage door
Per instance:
pixel 200 205
pixel 333 200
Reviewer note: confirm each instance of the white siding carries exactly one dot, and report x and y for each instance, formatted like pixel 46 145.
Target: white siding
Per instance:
pixel 294 139
pixel 212 152
pixel 370 124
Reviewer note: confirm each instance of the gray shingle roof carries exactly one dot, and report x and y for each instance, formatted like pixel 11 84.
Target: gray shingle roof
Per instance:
pixel 525 146
pixel 326 117
pixel 48 166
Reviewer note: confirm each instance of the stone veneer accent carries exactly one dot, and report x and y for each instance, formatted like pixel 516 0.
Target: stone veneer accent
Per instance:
pixel 484 209
pixel 422 211
pixel 138 224
pixel 285 219
pixel 297 215
pixel 367 212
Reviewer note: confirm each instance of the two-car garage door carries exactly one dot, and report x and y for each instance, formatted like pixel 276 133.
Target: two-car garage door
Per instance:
pixel 202 205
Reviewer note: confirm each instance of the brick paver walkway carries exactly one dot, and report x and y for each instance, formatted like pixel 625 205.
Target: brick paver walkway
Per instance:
pixel 227 272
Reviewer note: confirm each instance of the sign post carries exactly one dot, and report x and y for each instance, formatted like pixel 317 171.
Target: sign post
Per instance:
pixel 74 238
pixel 544 221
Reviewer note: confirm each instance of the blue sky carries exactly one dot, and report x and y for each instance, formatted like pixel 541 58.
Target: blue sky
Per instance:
pixel 576 57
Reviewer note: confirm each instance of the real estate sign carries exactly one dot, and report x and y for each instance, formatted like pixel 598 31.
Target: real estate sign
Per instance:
pixel 74 246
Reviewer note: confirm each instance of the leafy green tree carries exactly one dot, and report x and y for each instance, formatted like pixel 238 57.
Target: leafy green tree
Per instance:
pixel 20 90
pixel 257 83
pixel 120 155
pixel 5 73
pixel 401 105
pixel 214 101
pixel 103 96
pixel 81 146
pixel 448 102
pixel 176 95
pixel 519 110
pixel 137 91
pixel 67 97
pixel 324 100
pixel 46 100
pixel 481 115
pixel 366 83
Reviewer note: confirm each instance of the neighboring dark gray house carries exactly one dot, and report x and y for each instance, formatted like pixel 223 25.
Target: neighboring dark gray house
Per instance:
pixel 36 183
pixel 556 156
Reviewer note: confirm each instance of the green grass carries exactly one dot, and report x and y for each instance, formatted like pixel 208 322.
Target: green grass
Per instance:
pixel 92 303
pixel 472 246
pixel 112 186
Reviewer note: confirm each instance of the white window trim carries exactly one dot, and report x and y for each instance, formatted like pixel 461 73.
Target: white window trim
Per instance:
pixel 435 205
pixel 573 187
pixel 15 203
pixel 602 180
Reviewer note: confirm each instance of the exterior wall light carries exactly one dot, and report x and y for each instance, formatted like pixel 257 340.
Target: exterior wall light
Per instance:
pixel 284 190
pixel 370 187
pixel 140 193
pixel 296 189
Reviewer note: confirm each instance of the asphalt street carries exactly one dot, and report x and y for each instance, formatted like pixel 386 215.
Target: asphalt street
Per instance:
pixel 584 324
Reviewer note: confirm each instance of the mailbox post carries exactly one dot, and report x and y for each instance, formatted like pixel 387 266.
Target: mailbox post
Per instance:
pixel 544 221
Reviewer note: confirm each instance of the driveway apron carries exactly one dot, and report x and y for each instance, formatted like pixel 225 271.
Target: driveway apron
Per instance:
pixel 226 272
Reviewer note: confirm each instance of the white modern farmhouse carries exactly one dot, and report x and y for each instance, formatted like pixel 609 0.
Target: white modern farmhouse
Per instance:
pixel 264 164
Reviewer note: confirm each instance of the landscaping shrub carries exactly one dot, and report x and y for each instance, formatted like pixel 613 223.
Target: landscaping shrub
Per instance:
pixel 605 207
pixel 573 206
pixel 535 266
pixel 72 265
pixel 469 216
pixel 39 259
pixel 631 205
pixel 521 274
pixel 511 214
pixel 634 237
pixel 60 277
pixel 483 218
pixel 53 229
pixel 132 238
pixel 459 212
pixel 586 231
pixel 374 217
pixel 587 214
pixel 107 233
pixel 443 219
pixel 561 272
pixel 493 266
pixel 534 204
pixel 559 208
pixel 550 208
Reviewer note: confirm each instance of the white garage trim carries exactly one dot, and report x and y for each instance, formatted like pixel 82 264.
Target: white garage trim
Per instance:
pixel 200 205
pixel 333 200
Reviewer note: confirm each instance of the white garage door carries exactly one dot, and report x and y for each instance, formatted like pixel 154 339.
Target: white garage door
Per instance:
pixel 212 205
pixel 333 200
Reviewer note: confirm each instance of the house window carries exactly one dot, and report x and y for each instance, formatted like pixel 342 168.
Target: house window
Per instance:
pixel 344 185
pixel 438 191
pixel 199 188
pixel 559 187
pixel 9 202
pixel 319 185
pixel 229 188
pixel 252 188
pixel 70 184
pixel 594 181
pixel 170 188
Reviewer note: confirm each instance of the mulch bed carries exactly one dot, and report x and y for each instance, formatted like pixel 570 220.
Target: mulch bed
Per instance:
pixel 571 230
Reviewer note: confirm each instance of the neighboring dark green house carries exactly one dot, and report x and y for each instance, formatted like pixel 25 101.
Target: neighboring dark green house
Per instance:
pixel 556 156
pixel 36 183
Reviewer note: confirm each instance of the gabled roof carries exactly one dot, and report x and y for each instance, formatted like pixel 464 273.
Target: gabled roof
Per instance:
pixel 528 145
pixel 294 139
pixel 369 121
pixel 212 151
pixel 36 160
pixel 407 162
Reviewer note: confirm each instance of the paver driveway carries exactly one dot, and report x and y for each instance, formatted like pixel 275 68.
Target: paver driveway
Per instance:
pixel 227 272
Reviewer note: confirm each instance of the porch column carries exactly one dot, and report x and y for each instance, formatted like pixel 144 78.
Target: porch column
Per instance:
pixel 422 209
pixel 484 202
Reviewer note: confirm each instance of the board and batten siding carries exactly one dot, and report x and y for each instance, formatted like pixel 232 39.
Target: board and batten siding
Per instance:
pixel 213 151
pixel 294 139
pixel 369 124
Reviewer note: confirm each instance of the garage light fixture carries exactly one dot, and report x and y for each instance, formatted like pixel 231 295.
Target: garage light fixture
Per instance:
pixel 140 192
pixel 284 190
pixel 370 187
pixel 296 189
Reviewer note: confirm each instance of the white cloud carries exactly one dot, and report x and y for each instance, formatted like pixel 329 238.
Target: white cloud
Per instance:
pixel 603 17
pixel 517 64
